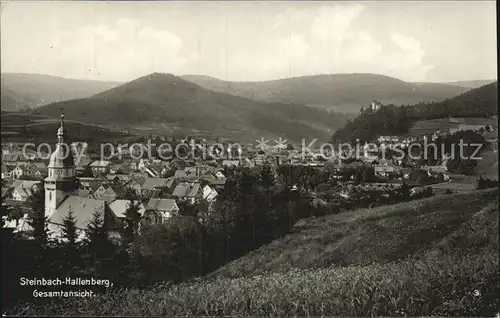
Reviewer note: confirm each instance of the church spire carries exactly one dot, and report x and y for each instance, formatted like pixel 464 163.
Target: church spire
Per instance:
pixel 60 131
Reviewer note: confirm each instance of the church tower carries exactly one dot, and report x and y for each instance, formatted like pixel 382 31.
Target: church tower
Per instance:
pixel 61 180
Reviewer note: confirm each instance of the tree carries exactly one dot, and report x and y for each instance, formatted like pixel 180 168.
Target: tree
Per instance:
pixel 266 177
pixel 405 191
pixel 174 249
pixel 70 246
pixel 38 220
pixel 132 220
pixel 486 183
pixel 97 235
pixel 69 229
pixel 99 247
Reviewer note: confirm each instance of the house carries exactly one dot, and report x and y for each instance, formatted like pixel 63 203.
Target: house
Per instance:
pixel 100 167
pixel 260 158
pixel 10 156
pixel 436 169
pixel 98 193
pixel 219 175
pixel 157 211
pixel 84 210
pixel 6 171
pixel 188 192
pixel 384 170
pixel 209 193
pixel 135 185
pixel 187 172
pixel 6 192
pixel 84 193
pixel 20 170
pixel 119 207
pixel 155 170
pixel 230 163
pixel 123 151
pixel 120 179
pixel 116 168
pixel 375 105
pixel 141 164
pixel 21 226
pixel 24 189
pixel 89 183
pixel 151 184
pixel 112 193
pixel 40 169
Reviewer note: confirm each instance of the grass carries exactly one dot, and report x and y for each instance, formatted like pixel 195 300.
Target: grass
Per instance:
pixel 444 124
pixel 488 165
pixel 433 257
pixel 363 236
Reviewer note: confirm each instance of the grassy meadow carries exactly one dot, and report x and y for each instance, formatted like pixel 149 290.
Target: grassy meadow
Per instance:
pixel 433 257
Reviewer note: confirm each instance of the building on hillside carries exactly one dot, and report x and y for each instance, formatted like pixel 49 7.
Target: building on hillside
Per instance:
pixel 61 180
pixel 100 167
pixel 384 170
pixel 209 193
pixel 375 106
pixel 158 211
pixel 153 185
pixel 231 163
pixel 120 207
pixel 23 190
pixel 436 169
pixel 7 171
pixel 84 211
pixel 189 192
pixel 61 185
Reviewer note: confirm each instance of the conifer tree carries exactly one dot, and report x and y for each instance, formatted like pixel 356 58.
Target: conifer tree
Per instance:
pixel 38 220
pixel 69 229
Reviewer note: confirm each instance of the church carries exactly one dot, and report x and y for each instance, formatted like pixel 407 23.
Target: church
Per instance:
pixel 61 186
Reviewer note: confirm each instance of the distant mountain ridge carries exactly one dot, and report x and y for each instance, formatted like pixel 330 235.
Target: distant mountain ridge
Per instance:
pixel 23 90
pixel 481 102
pixel 170 103
pixel 340 92
pixel 471 84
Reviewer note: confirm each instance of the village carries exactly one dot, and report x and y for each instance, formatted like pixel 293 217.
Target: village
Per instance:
pixel 86 184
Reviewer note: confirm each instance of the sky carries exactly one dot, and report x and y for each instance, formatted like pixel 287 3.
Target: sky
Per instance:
pixel 433 41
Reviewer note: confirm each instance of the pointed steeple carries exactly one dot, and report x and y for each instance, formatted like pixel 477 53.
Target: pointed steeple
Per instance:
pixel 60 131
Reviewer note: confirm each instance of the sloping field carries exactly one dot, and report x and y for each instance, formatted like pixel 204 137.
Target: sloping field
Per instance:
pixel 488 165
pixel 444 124
pixel 437 256
pixel 380 235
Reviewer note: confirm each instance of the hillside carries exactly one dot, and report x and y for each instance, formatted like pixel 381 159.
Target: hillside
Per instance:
pixel 21 91
pixel 339 92
pixel 169 103
pixel 471 84
pixel 19 127
pixel 481 102
pixel 433 257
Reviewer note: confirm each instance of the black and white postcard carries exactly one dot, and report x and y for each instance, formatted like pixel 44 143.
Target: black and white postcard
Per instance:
pixel 249 158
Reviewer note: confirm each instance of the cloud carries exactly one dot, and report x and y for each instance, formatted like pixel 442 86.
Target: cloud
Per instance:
pixel 331 23
pixel 298 40
pixel 327 40
pixel 409 59
pixel 127 49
